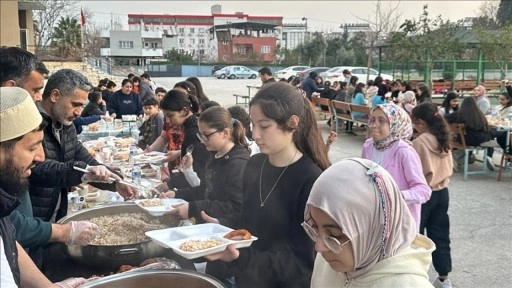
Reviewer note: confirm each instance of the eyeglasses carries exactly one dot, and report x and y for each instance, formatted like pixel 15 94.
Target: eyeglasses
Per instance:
pixel 330 242
pixel 205 137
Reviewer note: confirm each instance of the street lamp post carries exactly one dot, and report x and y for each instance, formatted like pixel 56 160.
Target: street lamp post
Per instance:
pixel 306 37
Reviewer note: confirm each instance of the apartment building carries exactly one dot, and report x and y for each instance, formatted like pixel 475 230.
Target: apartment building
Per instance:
pixel 17 24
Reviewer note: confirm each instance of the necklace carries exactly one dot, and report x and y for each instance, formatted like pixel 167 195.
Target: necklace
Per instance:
pixel 262 202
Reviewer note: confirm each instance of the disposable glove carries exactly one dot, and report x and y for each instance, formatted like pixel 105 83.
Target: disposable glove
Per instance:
pixel 82 232
pixel 70 283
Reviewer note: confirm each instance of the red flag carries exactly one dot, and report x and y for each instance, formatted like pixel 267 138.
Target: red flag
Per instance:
pixel 83 16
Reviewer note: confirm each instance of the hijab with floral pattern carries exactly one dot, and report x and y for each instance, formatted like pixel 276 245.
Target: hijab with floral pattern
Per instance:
pixel 366 203
pixel 400 126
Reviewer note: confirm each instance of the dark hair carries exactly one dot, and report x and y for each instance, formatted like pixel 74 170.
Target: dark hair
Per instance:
pixel 111 84
pixel 160 89
pixel 290 79
pixel 17 64
pixel 136 79
pixel 446 102
pixel 327 85
pixel 208 104
pixel 265 71
pixel 471 116
pixel 295 81
pixel 370 83
pixel 313 74
pixel 359 89
pixel 176 100
pixel 509 100
pixel 241 115
pixel 199 89
pixel 321 79
pixel 353 80
pixel 425 93
pixel 145 75
pixel 343 84
pixel 130 75
pixel 188 86
pixel 150 101
pixel 94 95
pixel 283 80
pixel 8 145
pixel 378 80
pixel 67 81
pixel 219 118
pixel 435 122
pixel 126 81
pixel 346 71
pixel 280 101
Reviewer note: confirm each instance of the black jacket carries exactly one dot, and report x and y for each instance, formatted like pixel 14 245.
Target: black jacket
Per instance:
pixel 58 170
pixel 93 109
pixel 7 205
pixel 221 187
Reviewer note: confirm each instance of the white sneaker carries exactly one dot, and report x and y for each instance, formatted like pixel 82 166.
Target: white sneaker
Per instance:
pixel 490 164
pixel 445 284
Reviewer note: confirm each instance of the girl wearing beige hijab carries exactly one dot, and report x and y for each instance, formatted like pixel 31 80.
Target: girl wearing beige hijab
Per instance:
pixel 364 233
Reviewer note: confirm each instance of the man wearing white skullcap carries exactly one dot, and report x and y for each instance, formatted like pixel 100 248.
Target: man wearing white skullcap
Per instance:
pixel 21 137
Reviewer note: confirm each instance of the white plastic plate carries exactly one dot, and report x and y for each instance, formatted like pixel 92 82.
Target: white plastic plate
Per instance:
pixel 174 237
pixel 150 157
pixel 160 210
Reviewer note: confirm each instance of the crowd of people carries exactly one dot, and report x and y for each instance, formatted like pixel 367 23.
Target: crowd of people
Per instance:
pixel 374 221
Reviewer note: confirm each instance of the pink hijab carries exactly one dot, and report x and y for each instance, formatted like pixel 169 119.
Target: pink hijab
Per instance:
pixel 365 202
pixel 400 126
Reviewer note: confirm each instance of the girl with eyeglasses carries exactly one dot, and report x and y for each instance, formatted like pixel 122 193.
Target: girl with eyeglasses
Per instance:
pixel 389 146
pixel 179 108
pixel 363 232
pixel 276 185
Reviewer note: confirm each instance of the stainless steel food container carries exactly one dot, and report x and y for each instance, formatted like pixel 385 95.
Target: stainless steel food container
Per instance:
pixel 156 279
pixel 112 256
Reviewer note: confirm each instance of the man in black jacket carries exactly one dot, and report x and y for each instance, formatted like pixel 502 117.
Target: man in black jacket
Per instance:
pixel 20 148
pixel 63 98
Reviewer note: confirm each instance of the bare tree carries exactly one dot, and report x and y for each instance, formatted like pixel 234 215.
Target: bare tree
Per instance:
pixel 45 20
pixel 488 9
pixel 385 21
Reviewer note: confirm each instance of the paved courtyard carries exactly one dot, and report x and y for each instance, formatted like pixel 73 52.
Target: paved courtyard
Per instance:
pixel 480 208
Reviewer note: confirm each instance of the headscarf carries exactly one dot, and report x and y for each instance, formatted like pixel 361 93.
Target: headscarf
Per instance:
pixel 400 126
pixel 366 203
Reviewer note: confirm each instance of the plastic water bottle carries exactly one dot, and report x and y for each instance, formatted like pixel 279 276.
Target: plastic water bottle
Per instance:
pixel 494 113
pixel 135 132
pixel 136 173
pixel 133 152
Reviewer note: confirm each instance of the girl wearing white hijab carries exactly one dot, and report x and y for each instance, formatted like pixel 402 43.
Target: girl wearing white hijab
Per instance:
pixel 365 235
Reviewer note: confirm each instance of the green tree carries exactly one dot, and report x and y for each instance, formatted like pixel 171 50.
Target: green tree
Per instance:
pixel 504 15
pixel 46 19
pixel 426 40
pixel 67 36
pixel 174 55
pixel 496 46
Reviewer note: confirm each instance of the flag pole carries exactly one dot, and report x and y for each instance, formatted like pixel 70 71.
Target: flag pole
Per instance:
pixel 82 22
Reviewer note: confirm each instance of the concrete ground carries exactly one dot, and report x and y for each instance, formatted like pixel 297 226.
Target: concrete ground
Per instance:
pixel 480 208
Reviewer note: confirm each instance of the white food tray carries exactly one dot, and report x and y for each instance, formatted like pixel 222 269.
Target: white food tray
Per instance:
pixel 150 157
pixel 174 237
pixel 160 210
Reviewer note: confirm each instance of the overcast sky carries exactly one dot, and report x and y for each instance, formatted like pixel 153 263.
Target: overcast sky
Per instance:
pixel 322 15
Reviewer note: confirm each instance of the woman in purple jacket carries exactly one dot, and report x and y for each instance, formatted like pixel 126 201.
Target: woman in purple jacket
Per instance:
pixel 390 127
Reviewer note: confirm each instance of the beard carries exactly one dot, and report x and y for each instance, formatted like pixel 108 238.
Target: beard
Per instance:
pixel 10 178
pixel 59 113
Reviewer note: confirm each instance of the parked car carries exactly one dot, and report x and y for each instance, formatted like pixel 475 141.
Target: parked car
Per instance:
pixel 234 72
pixel 216 68
pixel 335 74
pixel 290 71
pixel 305 73
pixel 221 73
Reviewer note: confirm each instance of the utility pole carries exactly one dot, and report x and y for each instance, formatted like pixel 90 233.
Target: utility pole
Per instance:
pixel 306 37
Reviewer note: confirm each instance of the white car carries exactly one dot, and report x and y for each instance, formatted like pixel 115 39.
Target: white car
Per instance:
pixel 335 74
pixel 290 71
pixel 220 74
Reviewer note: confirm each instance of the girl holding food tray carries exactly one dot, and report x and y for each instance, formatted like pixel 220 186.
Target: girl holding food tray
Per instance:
pixel 276 186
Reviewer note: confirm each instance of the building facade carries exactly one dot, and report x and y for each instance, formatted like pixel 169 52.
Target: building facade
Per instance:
pixel 17 24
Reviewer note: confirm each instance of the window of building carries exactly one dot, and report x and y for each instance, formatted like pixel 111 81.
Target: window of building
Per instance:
pixel 182 51
pixel 201 30
pixel 181 30
pixel 181 41
pixel 201 41
pixel 265 49
pixel 192 41
pixel 154 45
pixel 224 42
pixel 126 44
pixel 192 30
pixel 241 50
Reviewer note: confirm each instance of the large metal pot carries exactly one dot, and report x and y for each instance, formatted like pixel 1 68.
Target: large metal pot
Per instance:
pixel 111 256
pixel 156 279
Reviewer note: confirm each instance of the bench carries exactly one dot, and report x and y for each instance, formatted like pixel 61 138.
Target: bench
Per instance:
pixel 318 103
pixel 242 99
pixel 342 111
pixel 458 142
